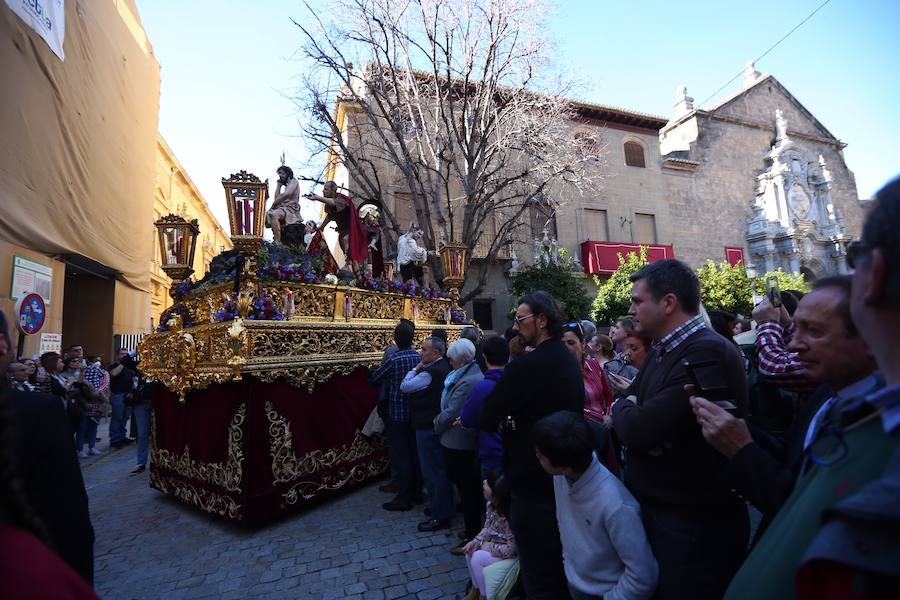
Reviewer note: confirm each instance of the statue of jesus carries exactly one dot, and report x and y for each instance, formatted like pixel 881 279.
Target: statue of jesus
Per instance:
pixel 286 204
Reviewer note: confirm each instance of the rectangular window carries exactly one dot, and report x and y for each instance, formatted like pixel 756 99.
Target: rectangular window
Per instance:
pixel 483 313
pixel 644 228
pixel 596 228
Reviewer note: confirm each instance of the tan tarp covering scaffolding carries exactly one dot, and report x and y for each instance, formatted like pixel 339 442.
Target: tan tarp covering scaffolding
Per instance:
pixel 79 138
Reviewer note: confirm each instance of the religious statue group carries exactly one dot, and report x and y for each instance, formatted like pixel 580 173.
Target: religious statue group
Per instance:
pixel 359 232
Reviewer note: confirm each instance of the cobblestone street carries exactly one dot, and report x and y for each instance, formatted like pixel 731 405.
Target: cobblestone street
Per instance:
pixel 150 546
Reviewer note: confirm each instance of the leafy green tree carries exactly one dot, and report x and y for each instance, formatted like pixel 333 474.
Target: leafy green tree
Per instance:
pixel 725 287
pixel 786 281
pixel 728 288
pixel 614 296
pixel 558 279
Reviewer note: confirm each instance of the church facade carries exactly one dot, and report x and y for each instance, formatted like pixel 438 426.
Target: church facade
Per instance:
pixel 763 175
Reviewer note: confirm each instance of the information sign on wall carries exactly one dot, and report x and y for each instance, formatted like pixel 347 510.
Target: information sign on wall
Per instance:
pixel 50 342
pixel 29 277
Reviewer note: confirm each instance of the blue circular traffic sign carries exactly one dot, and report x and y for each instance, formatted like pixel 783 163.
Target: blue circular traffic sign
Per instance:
pixel 31 313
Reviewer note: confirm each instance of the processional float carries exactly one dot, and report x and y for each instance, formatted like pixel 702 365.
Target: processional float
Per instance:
pixel 261 366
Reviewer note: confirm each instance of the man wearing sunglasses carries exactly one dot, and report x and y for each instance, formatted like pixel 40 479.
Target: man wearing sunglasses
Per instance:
pixel 763 468
pixel 853 481
pixel 856 552
pixel 538 383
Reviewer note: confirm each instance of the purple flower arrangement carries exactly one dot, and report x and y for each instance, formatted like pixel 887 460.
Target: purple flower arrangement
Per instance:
pixel 279 272
pixel 265 309
pixel 401 287
pixel 458 317
pixel 180 290
pixel 228 312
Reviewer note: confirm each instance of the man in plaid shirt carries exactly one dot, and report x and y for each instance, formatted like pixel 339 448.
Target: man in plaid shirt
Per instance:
pixel 398 427
pixel 776 363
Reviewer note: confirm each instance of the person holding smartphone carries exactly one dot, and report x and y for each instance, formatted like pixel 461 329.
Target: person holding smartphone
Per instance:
pixel 697 527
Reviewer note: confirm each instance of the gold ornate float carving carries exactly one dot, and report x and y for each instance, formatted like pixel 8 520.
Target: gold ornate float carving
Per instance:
pixel 202 498
pixel 333 330
pixel 227 475
pixel 287 466
pixel 333 466
pixel 307 490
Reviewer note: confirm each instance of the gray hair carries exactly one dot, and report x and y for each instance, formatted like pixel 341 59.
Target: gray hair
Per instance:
pixel 461 351
pixel 589 329
pixel 438 344
pixel 470 333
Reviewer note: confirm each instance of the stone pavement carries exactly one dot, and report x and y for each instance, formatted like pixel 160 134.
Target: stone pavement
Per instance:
pixel 150 546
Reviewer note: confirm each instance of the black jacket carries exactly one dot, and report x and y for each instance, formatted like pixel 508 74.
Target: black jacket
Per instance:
pixel 536 384
pixel 667 461
pixel 424 405
pixel 49 468
pixel 765 471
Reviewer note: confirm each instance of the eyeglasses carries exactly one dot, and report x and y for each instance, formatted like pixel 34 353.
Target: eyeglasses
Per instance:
pixel 575 326
pixel 856 252
pixel 518 320
pixel 829 446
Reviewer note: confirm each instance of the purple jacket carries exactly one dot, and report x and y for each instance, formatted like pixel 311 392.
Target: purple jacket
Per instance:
pixel 490 444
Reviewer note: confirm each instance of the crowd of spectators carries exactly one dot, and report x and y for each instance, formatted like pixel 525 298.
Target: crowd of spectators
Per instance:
pixel 584 464
pixel 635 462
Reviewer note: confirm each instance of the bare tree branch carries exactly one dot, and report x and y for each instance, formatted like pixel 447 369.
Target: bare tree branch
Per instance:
pixel 451 102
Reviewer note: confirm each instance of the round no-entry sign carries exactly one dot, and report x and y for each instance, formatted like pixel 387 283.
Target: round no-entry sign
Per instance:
pixel 31 313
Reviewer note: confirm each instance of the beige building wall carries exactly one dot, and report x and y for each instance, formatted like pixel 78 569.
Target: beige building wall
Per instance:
pixel 54 320
pixel 82 126
pixel 628 196
pixel 176 194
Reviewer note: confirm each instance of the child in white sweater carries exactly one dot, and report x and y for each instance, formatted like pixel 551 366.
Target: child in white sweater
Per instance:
pixel 495 541
pixel 605 549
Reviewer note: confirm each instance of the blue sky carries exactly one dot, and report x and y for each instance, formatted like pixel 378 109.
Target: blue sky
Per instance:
pixel 229 67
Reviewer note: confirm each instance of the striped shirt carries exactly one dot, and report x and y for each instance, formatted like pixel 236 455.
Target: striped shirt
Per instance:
pixel 776 363
pixel 674 338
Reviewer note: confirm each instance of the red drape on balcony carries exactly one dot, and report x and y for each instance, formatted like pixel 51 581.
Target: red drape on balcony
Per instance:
pixel 602 258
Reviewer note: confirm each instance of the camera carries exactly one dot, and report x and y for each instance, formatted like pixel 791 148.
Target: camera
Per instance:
pixel 773 291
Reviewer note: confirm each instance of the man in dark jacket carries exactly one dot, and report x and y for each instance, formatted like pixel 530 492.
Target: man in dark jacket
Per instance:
pixel 121 387
pixel 698 528
pixel 422 387
pixel 538 383
pixel 763 468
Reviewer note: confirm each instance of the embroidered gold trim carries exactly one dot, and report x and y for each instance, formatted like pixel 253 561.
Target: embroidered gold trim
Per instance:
pixel 227 475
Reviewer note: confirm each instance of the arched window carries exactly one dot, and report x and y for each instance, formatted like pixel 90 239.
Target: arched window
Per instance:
pixel 634 155
pixel 587 145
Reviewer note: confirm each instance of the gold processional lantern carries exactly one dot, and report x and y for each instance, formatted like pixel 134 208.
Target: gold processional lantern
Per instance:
pixel 246 196
pixel 177 241
pixel 453 257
